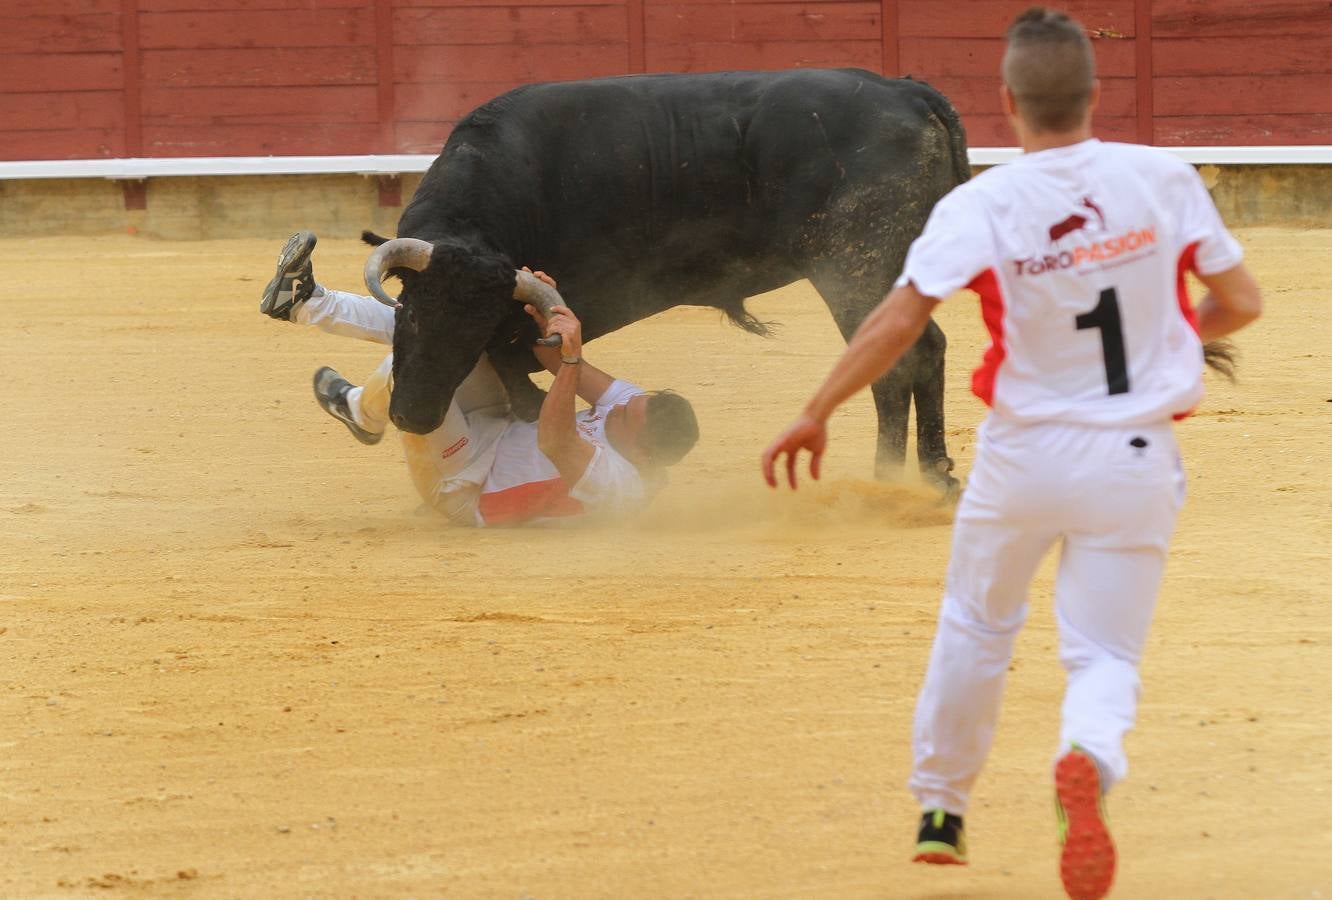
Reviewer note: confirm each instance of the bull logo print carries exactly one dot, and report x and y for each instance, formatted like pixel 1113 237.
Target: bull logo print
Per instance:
pixel 1077 221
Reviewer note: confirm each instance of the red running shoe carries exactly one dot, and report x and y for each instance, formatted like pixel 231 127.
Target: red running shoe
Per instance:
pixel 1087 864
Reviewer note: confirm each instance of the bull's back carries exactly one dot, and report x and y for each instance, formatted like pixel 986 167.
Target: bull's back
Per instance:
pixel 687 147
pixel 688 177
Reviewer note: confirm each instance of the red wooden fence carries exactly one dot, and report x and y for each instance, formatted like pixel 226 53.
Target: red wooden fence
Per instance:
pixel 162 78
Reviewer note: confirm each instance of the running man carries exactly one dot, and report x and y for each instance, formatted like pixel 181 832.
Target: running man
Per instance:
pixel 1078 251
pixel 484 466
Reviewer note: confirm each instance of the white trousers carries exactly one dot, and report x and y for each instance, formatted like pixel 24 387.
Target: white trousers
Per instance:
pixel 1109 496
pixel 447 466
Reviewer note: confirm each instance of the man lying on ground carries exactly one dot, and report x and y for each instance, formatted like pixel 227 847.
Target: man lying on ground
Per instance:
pixel 484 466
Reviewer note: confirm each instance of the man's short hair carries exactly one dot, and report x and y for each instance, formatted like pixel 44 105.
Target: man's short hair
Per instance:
pixel 1050 68
pixel 671 429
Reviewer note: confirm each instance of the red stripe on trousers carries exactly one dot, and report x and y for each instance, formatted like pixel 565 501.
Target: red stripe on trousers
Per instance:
pixel 530 500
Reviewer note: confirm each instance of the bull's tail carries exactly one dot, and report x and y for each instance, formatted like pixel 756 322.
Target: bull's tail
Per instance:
pixel 957 135
pixel 374 240
pixel 1221 356
pixel 741 317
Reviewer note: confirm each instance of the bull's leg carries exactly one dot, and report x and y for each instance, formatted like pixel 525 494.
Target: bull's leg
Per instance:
pixel 919 372
pixel 892 392
pixel 892 400
pixel 513 365
pixel 928 389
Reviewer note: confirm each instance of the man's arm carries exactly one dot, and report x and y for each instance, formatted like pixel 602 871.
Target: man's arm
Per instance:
pixel 877 345
pixel 557 431
pixel 1233 301
pixel 592 382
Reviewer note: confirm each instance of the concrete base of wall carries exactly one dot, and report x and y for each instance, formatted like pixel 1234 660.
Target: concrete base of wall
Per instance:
pixel 201 208
pixel 1294 196
pixel 273 206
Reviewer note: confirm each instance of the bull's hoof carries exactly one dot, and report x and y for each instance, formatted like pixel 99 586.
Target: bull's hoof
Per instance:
pixel 936 472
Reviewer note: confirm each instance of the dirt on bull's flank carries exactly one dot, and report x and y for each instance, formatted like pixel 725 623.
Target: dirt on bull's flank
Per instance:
pixel 238 662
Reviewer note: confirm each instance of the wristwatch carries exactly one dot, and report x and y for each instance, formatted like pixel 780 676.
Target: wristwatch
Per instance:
pixel 571 360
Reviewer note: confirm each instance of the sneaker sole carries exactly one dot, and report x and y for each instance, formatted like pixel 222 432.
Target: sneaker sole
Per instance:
pixel 369 438
pixel 294 255
pixel 1087 864
pixel 939 857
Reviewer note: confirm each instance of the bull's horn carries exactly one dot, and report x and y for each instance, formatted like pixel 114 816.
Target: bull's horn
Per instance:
pixel 405 253
pixel 530 289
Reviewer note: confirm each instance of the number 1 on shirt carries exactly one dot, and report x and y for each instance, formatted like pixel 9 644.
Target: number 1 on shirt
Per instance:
pixel 1106 317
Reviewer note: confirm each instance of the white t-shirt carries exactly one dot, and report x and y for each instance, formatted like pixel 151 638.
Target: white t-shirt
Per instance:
pixel 1078 254
pixel 524 486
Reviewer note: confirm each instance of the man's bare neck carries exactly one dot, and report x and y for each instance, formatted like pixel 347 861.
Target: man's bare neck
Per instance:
pixel 1049 140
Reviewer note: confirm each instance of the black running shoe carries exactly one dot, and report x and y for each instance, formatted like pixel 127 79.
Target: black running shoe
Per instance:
pixel 940 841
pixel 330 390
pixel 294 282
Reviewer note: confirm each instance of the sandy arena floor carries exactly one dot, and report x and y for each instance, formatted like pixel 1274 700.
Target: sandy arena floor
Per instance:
pixel 237 662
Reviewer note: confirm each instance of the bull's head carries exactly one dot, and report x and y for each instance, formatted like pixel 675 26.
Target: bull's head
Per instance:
pixel 454 298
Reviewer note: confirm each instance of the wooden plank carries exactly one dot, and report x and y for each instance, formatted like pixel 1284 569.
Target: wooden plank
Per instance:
pixel 1123 128
pixel 131 86
pixel 500 63
pixel 1142 64
pixel 1240 18
pixel 55 112
pixel 276 105
pixel 436 4
pixel 739 2
pixel 994 130
pixel 890 35
pixel 1250 56
pixel 258 67
pixel 85 143
pixel 636 29
pixel 711 57
pixel 988 131
pixel 385 96
pixel 680 23
pixel 59 34
pixel 421 137
pixel 1221 95
pixel 65 8
pixel 445 102
pixel 980 94
pixel 251 140
pixel 523 26
pixel 60 72
pixel 1206 131
pixel 247 5
pixel 268 28
pixel 970 56
pixel 991 18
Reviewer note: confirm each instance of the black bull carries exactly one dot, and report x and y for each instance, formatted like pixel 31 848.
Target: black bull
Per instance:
pixel 642 193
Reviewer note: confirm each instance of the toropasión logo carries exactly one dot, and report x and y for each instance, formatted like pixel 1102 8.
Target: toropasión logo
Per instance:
pixel 1090 252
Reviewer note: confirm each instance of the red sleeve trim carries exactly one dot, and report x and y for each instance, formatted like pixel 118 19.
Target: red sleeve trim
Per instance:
pixel 986 284
pixel 1188 262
